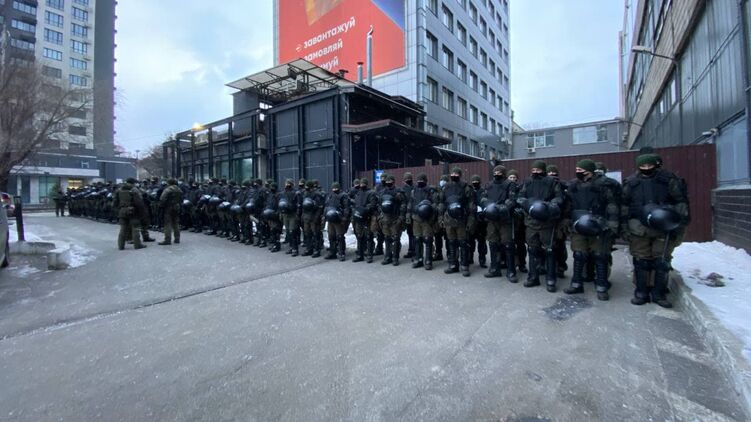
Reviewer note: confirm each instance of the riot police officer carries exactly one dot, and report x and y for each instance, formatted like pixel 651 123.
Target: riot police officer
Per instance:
pixel 312 210
pixel 392 208
pixel 498 202
pixel 169 204
pixel 364 206
pixel 478 231
pixel 421 213
pixel 290 202
pixel 458 217
pixel 336 212
pixel 128 204
pixel 407 191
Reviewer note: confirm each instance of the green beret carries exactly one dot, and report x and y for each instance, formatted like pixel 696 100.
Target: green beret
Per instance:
pixel 601 166
pixel 552 168
pixel 407 176
pixel 513 172
pixel 289 182
pixel 475 178
pixel 456 170
pixel 246 183
pixel 499 169
pixel 355 182
pixel 364 181
pixel 587 165
pixel 301 182
pixel 539 164
pixel 390 178
pixel 445 178
pixel 422 177
pixel 646 159
pixel 310 184
pixel 336 185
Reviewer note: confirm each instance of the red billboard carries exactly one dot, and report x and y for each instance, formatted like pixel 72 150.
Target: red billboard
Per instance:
pixel 333 33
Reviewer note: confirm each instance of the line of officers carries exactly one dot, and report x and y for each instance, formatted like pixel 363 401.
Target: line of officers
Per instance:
pixel 505 220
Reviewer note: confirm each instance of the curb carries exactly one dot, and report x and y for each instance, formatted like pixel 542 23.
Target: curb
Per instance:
pixel 725 346
pixel 57 253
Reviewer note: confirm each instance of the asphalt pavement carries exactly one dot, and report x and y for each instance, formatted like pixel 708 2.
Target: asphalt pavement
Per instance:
pixel 213 330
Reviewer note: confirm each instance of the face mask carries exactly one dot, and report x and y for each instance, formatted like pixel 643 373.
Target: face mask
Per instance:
pixel 442 183
pixel 537 175
pixel 648 172
pixel 363 187
pixel 498 177
pixel 335 190
pixel 476 185
pixel 580 175
pixel 408 182
pixel 454 178
pixel 421 184
pixel 288 187
pixel 389 184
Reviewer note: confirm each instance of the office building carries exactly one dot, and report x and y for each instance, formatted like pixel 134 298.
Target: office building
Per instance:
pixel 451 57
pixel 579 139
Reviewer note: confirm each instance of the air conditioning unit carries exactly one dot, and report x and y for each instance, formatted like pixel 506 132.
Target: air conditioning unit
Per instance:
pixel 531 150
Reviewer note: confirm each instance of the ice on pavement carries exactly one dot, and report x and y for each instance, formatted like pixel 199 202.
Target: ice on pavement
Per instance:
pixel 79 254
pixel 731 303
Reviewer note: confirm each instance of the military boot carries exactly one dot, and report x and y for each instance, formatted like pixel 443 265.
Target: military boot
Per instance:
pixel 551 264
pixel 410 248
pixel 360 253
pixel 379 245
pixel 387 251
pixel 438 253
pixel 332 248
pixel 369 250
pixel 428 253
pixel 482 252
pixel 417 261
pixel 510 252
pixel 601 276
pixel 642 270
pixel 396 246
pixel 533 277
pixel 660 289
pixel 295 244
pixel 495 253
pixel 464 257
pixel 577 278
pixel 452 257
pixel 342 246
pixel 316 245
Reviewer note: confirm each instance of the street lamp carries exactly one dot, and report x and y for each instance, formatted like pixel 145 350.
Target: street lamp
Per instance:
pixel 138 176
pixel 646 50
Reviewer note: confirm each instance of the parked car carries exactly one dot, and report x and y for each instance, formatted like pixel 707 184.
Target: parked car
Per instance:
pixel 4 235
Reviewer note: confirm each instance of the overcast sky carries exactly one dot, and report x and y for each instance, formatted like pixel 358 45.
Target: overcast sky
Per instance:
pixel 174 57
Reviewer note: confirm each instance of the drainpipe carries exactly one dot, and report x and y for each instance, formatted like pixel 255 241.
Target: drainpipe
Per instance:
pixel 369 53
pixel 742 18
pixel 359 72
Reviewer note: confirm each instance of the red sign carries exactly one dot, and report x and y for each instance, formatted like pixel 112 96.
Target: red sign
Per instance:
pixel 333 33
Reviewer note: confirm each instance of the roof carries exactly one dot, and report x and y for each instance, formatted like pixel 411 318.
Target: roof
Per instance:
pixel 288 80
pixel 397 131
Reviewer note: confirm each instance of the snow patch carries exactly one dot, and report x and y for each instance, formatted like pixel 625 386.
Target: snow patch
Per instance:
pixel 702 263
pixel 81 256
pixel 23 271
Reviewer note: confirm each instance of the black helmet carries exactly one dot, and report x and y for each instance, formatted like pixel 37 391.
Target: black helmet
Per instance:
pixel 333 215
pixel 425 209
pixel 186 203
pixel 660 218
pixel 496 212
pixel 250 206
pixel 215 200
pixel 540 210
pixel 587 224
pixel 308 204
pixel 236 209
pixel 360 214
pixel 284 205
pixel 223 206
pixel 387 205
pixel 455 210
pixel 204 199
pixel 269 214
pixel 109 195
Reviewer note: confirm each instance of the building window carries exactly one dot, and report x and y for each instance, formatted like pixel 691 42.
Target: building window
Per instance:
pixel 473 46
pixel 505 81
pixel 484 89
pixel 433 6
pixel 53 54
pixel 473 12
pixel 461 70
pixel 78 64
pixel 23 26
pixel 462 3
pixel 505 55
pixel 78 80
pixel 52 72
pixel 540 140
pixel 447 59
pixel 26 8
pixel 79 31
pixel 448 134
pixel 461 33
pixel 483 26
pixel 78 113
pixel 448 18
pixel 82 2
pixel 77 130
pixel 84 164
pixel 484 120
pixel 473 80
pixel 56 4
pixel 432 91
pixel 499 103
pixel 53 37
pixel 590 134
pixel 23 45
pixel 491 67
pixel 473 114
pixel 447 99
pixel 432 45
pixel 483 58
pixel 506 107
pixel 80 14
pixel 431 128
pixel 461 104
pixel 53 19
pixel 493 127
pixel 79 47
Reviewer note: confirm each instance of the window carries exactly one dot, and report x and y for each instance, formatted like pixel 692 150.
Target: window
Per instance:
pixel 499 47
pixel 473 46
pixel 491 35
pixel 499 102
pixel 473 114
pixel 461 105
pixel 473 12
pixel 82 2
pixel 23 45
pixel 431 128
pixel 491 94
pixel 461 33
pixel 78 64
pixel 484 89
pixel 84 164
pixel 78 130
pixel 79 31
pixel 78 80
pixel 462 144
pixel 23 26
pixel 473 80
pixel 431 45
pixel 499 20
pixel 53 19
pixel 53 36
pixel 505 81
pixel 26 8
pixel 484 120
pixel 56 4
pixel 483 58
pixel 79 47
pixel 590 134
pixel 80 14
pixel 433 6
pixel 52 72
pixel 505 55
pixel 506 107
pixel 493 127
pixel 448 134
pixel 447 18
pixel 483 26
pixel 505 29
pixel 461 70
pixel 432 91
pixel 540 140
pixel 447 59
pixel 462 3
pixel 447 99
pixel 491 67
pixel 78 113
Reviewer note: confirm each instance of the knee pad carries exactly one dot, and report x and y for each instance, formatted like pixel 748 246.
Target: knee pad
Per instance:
pixel 643 264
pixel 662 265
pixel 580 255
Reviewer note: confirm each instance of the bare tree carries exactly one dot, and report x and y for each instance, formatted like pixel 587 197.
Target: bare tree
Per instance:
pixel 34 110
pixel 153 163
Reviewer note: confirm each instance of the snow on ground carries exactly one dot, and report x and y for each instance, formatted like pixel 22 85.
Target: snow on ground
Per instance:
pixel 731 303
pixel 79 254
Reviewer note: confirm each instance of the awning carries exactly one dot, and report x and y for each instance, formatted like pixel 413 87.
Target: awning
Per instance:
pixel 396 132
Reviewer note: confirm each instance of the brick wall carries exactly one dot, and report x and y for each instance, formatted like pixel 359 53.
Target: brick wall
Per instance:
pixel 732 216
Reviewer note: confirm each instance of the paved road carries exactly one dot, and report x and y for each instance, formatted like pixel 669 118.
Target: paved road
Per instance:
pixel 209 330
